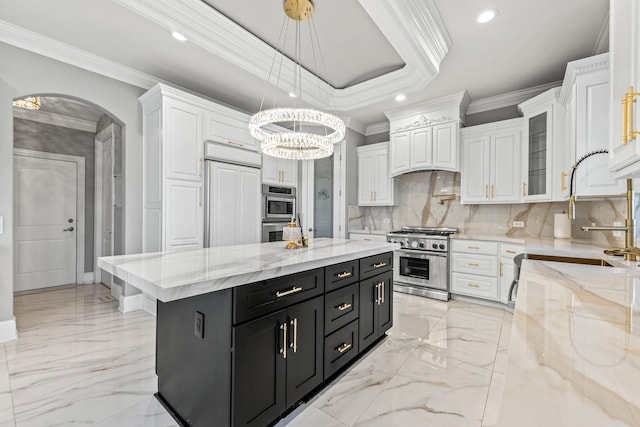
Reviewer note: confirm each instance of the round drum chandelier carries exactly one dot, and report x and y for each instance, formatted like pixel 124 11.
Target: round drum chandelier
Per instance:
pixel 295 132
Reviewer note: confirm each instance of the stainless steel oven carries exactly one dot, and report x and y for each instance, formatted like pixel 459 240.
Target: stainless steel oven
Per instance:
pixel 421 265
pixel 272 231
pixel 278 203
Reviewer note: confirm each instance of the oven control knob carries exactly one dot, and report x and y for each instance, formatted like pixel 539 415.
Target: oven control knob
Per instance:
pixel 422 244
pixel 434 246
pixel 441 245
pixel 414 244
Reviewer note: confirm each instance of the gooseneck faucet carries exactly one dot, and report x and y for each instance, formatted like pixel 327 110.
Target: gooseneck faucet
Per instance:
pixel 630 252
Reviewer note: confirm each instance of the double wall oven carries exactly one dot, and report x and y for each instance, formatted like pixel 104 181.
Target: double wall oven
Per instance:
pixel 421 265
pixel 278 206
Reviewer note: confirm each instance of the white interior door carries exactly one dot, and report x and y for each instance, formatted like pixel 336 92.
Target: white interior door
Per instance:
pixel 107 206
pixel 45 203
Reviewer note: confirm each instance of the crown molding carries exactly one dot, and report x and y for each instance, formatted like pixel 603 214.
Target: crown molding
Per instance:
pixel 543 100
pixel 579 67
pixel 354 124
pixel 508 99
pixel 54 119
pixel 34 42
pixel 516 123
pixel 378 128
pixel 602 42
pixel 458 100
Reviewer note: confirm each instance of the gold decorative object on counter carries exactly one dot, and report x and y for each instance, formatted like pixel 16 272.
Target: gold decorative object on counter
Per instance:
pixel 293 234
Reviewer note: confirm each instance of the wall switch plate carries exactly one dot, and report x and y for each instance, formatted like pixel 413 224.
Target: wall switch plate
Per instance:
pixel 199 325
pixel 518 224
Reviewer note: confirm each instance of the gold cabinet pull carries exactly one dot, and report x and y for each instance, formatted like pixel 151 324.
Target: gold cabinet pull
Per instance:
pixel 375 196
pixel 473 285
pixel 367 239
pixel 344 306
pixel 524 189
pixel 473 264
pixel 492 191
pixel 509 251
pixel 294 344
pixel 237 144
pixel 486 191
pixel 473 247
pixel 378 293
pixel 344 347
pixel 283 350
pixel 380 264
pixel 293 290
pixel 628 134
pixel 345 274
pixel 200 166
pixel 371 196
pixel 381 292
pixel 500 269
pixel 563 185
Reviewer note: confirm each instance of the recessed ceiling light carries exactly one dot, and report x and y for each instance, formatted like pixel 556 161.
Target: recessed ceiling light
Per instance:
pixel 176 35
pixel 400 97
pixel 487 16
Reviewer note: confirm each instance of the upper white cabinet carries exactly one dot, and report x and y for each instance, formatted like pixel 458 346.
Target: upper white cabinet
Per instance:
pixel 624 48
pixel 425 136
pixel 375 186
pixel 543 126
pixel 491 157
pixel 586 93
pixel 282 172
pixel 229 127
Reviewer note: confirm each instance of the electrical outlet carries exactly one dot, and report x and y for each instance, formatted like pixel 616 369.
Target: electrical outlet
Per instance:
pixel 518 224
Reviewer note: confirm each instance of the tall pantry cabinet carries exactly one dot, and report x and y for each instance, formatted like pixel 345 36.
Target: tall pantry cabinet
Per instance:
pixel 173 163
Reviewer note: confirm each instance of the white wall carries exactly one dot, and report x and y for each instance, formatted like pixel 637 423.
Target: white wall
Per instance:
pixel 24 73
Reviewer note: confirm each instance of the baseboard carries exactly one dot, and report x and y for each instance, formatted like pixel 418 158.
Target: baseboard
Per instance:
pixel 150 305
pixel 8 331
pixel 131 303
pixel 88 278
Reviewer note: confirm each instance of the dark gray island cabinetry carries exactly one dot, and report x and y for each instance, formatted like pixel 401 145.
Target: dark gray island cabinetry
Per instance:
pixel 245 348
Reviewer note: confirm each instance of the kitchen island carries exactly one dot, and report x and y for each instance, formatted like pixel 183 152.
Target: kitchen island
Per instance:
pixel 246 333
pixel 574 354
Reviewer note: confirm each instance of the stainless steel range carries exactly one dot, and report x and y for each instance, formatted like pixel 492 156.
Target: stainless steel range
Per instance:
pixel 421 265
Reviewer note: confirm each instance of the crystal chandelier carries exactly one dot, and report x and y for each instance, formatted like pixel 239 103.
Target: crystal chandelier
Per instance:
pixel 30 103
pixel 297 141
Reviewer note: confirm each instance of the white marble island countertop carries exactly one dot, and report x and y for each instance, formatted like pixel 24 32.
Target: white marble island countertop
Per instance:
pixel 574 356
pixel 169 276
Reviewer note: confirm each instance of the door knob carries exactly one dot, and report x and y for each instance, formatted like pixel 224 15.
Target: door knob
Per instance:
pixel 310 229
pixel 70 220
pixel 68 229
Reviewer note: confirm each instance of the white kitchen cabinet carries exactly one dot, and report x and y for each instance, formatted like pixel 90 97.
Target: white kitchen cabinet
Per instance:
pixel 173 157
pixel 624 43
pixel 585 96
pixel 375 186
pixel 231 128
pixel 491 163
pixel 474 268
pixel 543 125
pixel 425 148
pixel 363 235
pixel 281 172
pixel 233 208
pixel 507 251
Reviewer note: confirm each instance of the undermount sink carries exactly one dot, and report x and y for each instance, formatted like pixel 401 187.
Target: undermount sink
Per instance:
pixel 586 261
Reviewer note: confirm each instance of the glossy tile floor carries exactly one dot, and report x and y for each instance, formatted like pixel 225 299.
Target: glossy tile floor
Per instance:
pixel 79 361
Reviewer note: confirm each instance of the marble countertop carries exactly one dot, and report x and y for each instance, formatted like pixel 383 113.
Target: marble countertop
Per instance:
pixel 490 238
pixel 169 276
pixel 380 232
pixel 574 355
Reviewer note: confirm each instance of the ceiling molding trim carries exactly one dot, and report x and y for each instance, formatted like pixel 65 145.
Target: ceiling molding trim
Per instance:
pixel 55 119
pixel 542 100
pixel 34 42
pixel 494 126
pixel 354 124
pixel 378 128
pixel 508 99
pixel 457 101
pixel 578 67
pixel 602 42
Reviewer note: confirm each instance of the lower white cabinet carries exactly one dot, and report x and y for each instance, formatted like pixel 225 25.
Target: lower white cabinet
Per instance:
pixel 483 269
pixel 183 208
pixel 375 186
pixel 354 235
pixel 233 208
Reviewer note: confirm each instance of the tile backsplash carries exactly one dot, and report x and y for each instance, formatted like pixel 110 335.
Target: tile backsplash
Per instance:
pixel 418 207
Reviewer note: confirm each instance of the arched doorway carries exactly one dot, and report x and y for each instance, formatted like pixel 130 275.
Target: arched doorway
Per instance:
pixel 68 185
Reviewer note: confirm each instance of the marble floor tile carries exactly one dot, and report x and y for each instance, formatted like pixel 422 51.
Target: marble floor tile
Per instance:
pixel 469 307
pixel 424 393
pixel 310 417
pixel 494 400
pixel 6 410
pixel 148 413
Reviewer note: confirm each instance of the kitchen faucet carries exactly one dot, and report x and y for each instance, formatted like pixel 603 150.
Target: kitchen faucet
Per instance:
pixel 630 252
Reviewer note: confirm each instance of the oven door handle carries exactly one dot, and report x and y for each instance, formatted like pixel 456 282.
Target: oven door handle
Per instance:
pixel 423 254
